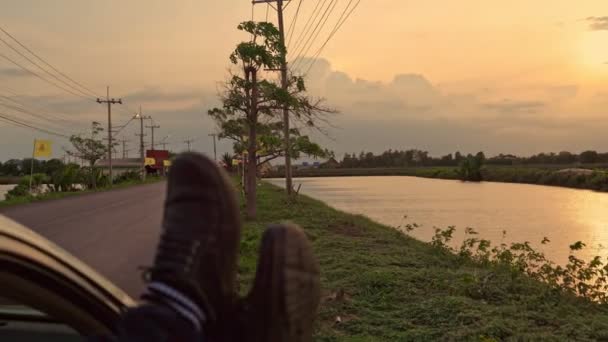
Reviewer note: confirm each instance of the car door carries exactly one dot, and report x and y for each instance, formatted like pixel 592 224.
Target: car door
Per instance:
pixel 45 292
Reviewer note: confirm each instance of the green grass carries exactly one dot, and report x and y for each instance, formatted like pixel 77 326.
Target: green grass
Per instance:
pixel 387 286
pixel 57 195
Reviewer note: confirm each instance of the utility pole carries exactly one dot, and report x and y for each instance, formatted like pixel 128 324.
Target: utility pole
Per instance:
pixel 214 148
pixel 124 147
pixel 110 102
pixel 141 135
pixel 164 142
pixel 152 127
pixel 188 142
pixel 284 85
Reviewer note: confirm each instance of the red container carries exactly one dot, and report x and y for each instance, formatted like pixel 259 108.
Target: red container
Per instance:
pixel 159 157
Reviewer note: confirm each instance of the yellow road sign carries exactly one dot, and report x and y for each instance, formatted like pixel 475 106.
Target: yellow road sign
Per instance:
pixel 43 148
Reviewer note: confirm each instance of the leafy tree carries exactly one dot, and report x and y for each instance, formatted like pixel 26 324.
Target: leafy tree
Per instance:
pixel 65 179
pixel 91 149
pixel 227 160
pixel 588 157
pixel 52 165
pixel 470 168
pixel 458 157
pixel 26 164
pixel 565 157
pixel 251 104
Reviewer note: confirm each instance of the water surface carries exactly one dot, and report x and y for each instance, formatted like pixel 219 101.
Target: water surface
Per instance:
pixel 526 212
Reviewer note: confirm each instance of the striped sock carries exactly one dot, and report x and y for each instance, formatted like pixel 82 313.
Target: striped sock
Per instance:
pixel 178 302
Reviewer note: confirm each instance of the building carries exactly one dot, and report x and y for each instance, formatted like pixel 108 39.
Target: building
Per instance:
pixel 120 165
pixel 331 163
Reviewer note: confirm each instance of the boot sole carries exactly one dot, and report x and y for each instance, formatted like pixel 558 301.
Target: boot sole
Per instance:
pixel 287 285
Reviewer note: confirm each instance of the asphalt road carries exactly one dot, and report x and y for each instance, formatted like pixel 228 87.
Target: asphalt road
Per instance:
pixel 114 232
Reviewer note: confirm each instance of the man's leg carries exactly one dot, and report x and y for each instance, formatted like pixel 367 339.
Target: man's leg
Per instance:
pixel 191 286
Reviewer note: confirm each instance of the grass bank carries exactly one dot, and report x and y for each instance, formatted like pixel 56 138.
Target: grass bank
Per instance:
pixel 386 286
pixel 595 180
pixel 57 195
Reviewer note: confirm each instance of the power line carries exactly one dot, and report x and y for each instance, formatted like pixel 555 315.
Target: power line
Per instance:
pixel 56 117
pixel 267 9
pixel 13 121
pixel 40 77
pixel 339 24
pixel 41 126
pixel 43 69
pixel 124 126
pixel 90 94
pixel 292 27
pixel 25 111
pixel 315 33
pixel 308 25
pixel 46 63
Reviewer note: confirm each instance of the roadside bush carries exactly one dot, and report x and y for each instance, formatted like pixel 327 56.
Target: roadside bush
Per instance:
pixel 23 188
pixel 101 180
pixel 585 279
pixel 66 178
pixel 128 176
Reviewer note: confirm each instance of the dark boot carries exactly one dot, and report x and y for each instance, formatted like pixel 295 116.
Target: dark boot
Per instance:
pixel 283 301
pixel 196 258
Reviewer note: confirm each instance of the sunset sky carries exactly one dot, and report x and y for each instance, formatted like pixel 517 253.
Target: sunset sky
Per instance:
pixel 514 77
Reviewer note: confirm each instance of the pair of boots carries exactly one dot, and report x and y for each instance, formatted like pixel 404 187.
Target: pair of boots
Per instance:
pixel 194 271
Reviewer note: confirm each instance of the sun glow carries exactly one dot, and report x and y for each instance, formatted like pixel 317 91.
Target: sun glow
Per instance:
pixel 594 49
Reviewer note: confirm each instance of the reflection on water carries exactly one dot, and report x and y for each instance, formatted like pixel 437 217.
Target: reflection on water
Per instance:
pixel 526 212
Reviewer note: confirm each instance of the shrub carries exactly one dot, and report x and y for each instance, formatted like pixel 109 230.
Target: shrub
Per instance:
pixel 23 188
pixel 66 178
pixel 128 176
pixel 586 279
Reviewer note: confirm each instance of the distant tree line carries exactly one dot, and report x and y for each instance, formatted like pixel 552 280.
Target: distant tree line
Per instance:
pixel 414 157
pixel 21 167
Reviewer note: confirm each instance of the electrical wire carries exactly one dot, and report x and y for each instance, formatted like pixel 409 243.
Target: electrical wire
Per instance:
pixel 48 64
pixel 267 9
pixel 43 69
pixel 339 24
pixel 41 77
pixel 56 117
pixel 308 25
pixel 316 32
pixel 123 126
pixel 6 118
pixel 292 27
pixel 25 111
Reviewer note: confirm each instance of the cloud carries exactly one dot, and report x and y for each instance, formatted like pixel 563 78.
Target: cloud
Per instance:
pixel 515 107
pixel 562 91
pixel 13 72
pixel 598 23
pixel 158 95
pixel 411 111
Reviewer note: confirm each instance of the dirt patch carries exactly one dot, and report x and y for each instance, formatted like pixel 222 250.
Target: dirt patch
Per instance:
pixel 346 229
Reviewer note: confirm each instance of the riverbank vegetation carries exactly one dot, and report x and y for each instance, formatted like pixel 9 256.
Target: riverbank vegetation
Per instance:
pixel 380 284
pixel 414 157
pixel 596 179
